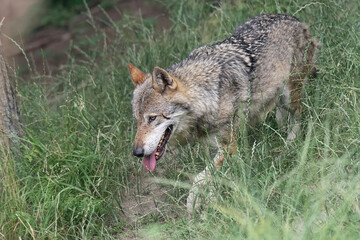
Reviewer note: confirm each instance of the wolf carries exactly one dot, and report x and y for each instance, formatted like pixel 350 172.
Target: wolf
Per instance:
pixel 263 65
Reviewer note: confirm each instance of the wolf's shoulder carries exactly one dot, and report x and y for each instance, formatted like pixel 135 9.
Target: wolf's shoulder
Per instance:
pixel 262 23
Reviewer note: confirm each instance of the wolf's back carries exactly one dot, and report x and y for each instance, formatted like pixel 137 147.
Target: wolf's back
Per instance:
pixel 258 35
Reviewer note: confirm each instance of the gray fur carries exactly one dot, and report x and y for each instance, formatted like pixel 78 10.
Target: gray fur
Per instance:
pixel 261 66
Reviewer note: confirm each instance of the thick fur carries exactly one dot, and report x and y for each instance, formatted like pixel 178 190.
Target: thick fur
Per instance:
pixel 260 67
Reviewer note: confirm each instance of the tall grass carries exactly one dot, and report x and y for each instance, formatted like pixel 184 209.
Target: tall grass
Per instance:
pixel 77 162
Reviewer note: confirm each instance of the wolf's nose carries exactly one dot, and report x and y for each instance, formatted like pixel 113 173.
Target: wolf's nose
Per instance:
pixel 139 152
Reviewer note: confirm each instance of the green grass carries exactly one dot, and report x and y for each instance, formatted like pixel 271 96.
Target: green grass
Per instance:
pixel 76 157
pixel 58 13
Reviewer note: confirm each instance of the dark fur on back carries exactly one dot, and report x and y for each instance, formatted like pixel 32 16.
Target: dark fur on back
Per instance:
pixel 251 36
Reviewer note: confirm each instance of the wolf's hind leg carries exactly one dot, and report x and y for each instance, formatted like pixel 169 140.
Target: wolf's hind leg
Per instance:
pixel 290 119
pixel 294 127
pixel 303 66
pixel 282 108
pixel 288 113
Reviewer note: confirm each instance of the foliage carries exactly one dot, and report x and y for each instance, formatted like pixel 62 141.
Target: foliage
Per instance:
pixel 58 13
pixel 77 148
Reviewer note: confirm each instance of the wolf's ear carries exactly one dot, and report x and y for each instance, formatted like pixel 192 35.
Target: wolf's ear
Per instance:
pixel 136 74
pixel 161 80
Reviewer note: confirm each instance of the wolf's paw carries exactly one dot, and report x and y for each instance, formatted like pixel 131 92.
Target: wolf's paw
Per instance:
pixel 293 131
pixel 291 137
pixel 196 199
pixel 193 201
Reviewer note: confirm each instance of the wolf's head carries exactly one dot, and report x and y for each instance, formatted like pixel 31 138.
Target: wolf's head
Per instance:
pixel 158 103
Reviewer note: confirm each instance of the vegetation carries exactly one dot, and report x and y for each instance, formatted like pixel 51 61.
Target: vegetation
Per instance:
pixel 77 161
pixel 59 12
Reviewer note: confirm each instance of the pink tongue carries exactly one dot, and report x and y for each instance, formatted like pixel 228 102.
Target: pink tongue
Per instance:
pixel 149 162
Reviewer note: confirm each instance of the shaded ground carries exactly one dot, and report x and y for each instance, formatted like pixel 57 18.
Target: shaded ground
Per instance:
pixel 47 47
pixel 145 201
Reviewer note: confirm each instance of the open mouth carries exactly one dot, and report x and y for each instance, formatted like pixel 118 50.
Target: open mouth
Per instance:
pixel 149 162
pixel 162 144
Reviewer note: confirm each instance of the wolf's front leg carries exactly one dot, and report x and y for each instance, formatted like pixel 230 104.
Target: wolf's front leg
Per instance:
pixel 194 199
pixel 203 179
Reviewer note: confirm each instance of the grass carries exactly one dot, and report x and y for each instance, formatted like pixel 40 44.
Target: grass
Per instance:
pixel 76 157
pixel 58 13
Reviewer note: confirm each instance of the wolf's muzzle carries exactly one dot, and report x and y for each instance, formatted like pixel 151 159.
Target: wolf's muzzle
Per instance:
pixel 139 152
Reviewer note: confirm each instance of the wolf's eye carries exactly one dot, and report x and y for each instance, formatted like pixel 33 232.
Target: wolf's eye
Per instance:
pixel 152 118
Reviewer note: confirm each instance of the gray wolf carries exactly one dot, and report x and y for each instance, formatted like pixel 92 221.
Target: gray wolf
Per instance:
pixel 261 66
